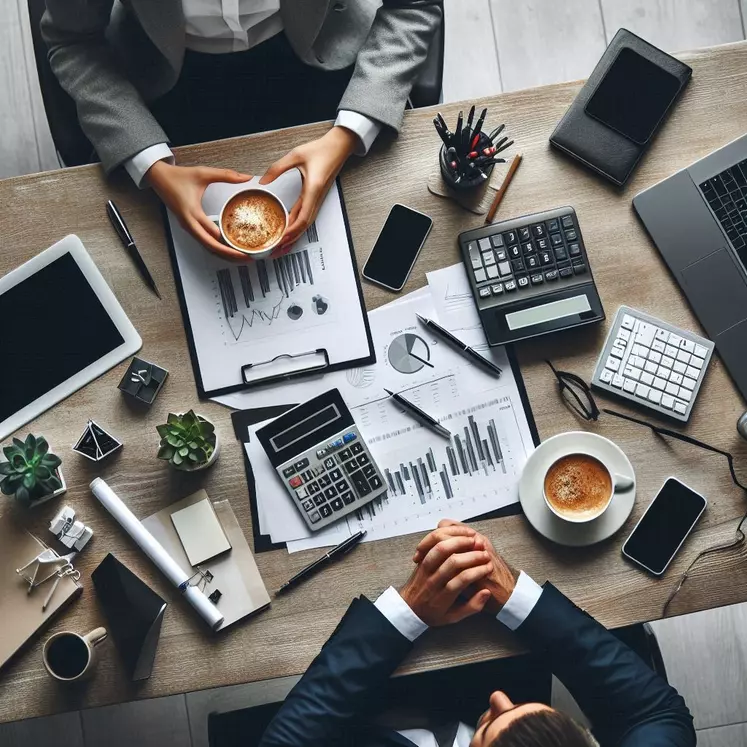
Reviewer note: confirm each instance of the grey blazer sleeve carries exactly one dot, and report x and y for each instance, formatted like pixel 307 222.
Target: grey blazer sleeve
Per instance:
pixel 112 113
pixel 389 62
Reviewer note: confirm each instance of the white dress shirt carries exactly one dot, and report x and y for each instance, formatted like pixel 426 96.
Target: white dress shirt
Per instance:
pixel 224 26
pixel 522 601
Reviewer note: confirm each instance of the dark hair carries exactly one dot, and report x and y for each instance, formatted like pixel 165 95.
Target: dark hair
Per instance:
pixel 545 729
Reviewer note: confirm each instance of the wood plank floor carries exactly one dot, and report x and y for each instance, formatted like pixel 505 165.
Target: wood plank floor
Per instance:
pixel 491 45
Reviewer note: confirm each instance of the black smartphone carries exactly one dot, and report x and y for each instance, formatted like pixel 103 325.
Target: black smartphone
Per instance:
pixel 397 247
pixel 633 96
pixel 664 526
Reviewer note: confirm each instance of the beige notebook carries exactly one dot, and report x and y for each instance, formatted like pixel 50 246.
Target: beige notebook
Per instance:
pixel 235 573
pixel 200 532
pixel 21 613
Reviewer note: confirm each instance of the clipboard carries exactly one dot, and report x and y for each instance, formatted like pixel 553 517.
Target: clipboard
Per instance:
pixel 286 365
pixel 242 419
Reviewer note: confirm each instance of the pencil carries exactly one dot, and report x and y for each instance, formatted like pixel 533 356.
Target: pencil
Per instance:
pixel 502 191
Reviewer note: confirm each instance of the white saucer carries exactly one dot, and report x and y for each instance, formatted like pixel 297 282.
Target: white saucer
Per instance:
pixel 544 520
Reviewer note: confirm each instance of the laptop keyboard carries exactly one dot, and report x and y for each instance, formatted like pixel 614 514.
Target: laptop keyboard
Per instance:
pixel 726 193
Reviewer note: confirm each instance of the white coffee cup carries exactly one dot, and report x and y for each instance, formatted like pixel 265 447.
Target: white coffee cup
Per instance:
pixel 618 484
pixel 69 657
pixel 260 253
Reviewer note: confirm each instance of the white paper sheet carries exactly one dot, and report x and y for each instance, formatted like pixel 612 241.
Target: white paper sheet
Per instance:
pixel 252 312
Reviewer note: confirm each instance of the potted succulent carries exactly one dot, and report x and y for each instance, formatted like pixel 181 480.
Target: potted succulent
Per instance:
pixel 188 442
pixel 32 473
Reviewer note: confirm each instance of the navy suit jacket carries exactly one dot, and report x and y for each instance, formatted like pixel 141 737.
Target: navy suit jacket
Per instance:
pixel 628 704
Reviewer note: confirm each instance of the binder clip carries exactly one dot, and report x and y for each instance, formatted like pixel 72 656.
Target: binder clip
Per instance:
pixel 45 566
pixel 73 534
pixel 96 443
pixel 143 380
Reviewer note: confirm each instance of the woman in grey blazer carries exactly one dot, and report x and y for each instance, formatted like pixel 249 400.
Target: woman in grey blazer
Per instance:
pixel 148 73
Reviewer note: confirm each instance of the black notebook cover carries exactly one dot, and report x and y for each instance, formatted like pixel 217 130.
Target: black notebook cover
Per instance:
pixel 602 146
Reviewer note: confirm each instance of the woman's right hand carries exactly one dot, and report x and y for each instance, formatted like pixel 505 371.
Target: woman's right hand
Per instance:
pixel 181 189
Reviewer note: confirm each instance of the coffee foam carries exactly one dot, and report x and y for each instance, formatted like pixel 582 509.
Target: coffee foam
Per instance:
pixel 253 221
pixel 578 485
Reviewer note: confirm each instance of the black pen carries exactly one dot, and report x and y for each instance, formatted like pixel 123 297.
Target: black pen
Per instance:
pixel 442 133
pixel 457 343
pixel 129 244
pixel 481 121
pixel 503 147
pixel 342 549
pixel 427 420
pixel 458 133
pixel 497 131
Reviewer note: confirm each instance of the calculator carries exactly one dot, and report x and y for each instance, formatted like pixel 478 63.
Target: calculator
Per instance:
pixel 530 276
pixel 653 364
pixel 322 459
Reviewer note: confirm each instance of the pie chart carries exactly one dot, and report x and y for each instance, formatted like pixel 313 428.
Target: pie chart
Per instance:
pixel 409 353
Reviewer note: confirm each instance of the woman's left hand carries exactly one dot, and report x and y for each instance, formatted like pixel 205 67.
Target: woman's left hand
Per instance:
pixel 319 163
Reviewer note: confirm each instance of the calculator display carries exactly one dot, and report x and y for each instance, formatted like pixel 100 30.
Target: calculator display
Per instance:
pixel 305 427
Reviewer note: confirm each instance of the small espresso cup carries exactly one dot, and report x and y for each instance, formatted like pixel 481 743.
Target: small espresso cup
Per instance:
pixel 617 484
pixel 70 657
pixel 265 251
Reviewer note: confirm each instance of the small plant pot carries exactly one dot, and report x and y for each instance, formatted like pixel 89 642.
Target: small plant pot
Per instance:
pixel 213 457
pixel 57 493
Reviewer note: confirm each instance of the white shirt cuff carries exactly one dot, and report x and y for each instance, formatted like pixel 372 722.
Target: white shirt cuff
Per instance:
pixel 364 127
pixel 399 614
pixel 523 598
pixel 137 166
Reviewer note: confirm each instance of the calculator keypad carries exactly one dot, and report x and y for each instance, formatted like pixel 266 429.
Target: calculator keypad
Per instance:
pixel 342 474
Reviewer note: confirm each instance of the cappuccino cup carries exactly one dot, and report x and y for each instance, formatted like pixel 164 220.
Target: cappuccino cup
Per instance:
pixel 69 657
pixel 579 487
pixel 252 221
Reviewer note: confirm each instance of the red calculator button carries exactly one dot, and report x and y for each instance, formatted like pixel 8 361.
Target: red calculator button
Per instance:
pixel 295 481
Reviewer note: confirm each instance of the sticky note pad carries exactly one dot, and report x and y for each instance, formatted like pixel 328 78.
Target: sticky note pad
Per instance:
pixel 200 532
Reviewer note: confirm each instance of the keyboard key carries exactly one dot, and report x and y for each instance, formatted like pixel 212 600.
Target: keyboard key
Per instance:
pixel 644 333
pixel 357 448
pixel 623 334
pixel 289 471
pixel 696 362
pixel 537 279
pixel 492 272
pixel 504 268
pixel 571 235
pixel 510 285
pixel 654 396
pixel 647 378
pixel 497 289
pixel 574 250
pixel 679 367
pixel 514 252
pixel 629 386
pixel 314 517
pixel 484 244
pixel 308 505
pixel 618 381
pixel 579 269
pixel 701 351
pixel 692 372
pixel 474 255
pixel 532 262
pixel 325 510
pixel 666 361
pixel 524 234
pixel 488 258
pixel 685 394
pixel 654 357
pixel 369 470
pixel 545 258
pixel 523 281
pixel 336 504
pixel 671 351
pixel 675 378
pixel 667 401
pixel 302 492
pixel 375 482
pixel 335 474
pixel 501 255
pixel 518 265
pixel 345 454
pixel 539 230
pixel 329 462
pixel 361 483
pixel 341 486
pixel 497 240
pixel 351 466
pixel 348 498
pixel 658 346
pixel 650 367
pixel 640 350
pixel 689 383
pixel 313 487
pixel 560 254
pixel 542 244
pixel 510 237
pixel 556 239
pixel 528 248
pixel 660 383
pixel 662 335
pixel 319 499
pixel 296 481
pixel 674 340
pixel 566 272
pixel 672 388
pixel 480 276
pixel 637 361
pixel 330 493
pixel 553 225
pixel 301 465
pixel 551 275
pixel 680 407
pixel 683 356
pixel 606 376
pixel 687 345
pixel 567 221
pixel 612 363
pixel 642 391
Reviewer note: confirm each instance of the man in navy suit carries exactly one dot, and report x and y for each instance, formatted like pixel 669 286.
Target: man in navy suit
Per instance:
pixel 458 573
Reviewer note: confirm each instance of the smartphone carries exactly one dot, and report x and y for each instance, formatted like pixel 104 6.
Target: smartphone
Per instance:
pixel 395 251
pixel 664 526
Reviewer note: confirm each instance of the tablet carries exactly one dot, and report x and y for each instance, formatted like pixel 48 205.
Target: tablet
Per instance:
pixel 61 328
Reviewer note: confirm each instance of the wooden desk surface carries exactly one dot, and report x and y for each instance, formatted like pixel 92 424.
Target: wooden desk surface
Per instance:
pixel 38 210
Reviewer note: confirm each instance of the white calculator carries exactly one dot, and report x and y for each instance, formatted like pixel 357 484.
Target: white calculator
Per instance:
pixel 653 364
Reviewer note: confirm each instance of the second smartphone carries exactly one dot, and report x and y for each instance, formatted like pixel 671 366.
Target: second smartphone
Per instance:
pixel 397 247
pixel 664 526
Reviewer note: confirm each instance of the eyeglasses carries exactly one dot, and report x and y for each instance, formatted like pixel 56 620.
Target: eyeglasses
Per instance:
pixel 576 393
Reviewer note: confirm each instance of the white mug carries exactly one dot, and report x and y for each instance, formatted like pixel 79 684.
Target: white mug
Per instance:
pixel 619 484
pixel 69 657
pixel 262 253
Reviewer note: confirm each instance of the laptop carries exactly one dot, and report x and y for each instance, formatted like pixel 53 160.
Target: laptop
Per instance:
pixel 698 220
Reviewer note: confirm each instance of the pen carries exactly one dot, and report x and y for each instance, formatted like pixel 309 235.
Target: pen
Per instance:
pixel 458 132
pixel 342 549
pixel 441 133
pixel 420 415
pixel 129 244
pixel 470 117
pixel 457 343
pixel 503 147
pixel 497 131
pixel 481 121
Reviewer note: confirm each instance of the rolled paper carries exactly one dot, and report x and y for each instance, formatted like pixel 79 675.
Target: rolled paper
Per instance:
pixel 156 552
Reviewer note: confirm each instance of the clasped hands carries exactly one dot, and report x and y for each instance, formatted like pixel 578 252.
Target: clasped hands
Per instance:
pixel 181 188
pixel 458 573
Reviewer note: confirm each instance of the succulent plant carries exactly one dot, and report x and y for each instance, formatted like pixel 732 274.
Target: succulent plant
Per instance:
pixel 187 441
pixel 31 470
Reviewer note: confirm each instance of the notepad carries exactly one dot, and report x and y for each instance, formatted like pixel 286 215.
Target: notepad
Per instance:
pixel 200 532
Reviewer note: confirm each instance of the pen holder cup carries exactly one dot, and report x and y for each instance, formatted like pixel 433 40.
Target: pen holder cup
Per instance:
pixel 466 182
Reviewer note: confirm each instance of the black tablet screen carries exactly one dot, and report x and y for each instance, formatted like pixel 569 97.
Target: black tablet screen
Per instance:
pixel 633 96
pixel 52 326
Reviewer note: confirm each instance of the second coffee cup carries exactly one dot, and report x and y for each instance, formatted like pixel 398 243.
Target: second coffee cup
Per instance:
pixel 252 221
pixel 579 487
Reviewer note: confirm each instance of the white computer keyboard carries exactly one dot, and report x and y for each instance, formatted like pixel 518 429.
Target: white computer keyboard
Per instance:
pixel 652 363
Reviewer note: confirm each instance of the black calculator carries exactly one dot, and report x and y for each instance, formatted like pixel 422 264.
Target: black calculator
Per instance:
pixel 530 276
pixel 322 459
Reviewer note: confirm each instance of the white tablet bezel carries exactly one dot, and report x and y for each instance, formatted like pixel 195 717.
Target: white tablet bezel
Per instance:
pixel 132 343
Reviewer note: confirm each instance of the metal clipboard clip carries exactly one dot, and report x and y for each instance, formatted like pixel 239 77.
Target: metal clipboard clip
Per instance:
pixel 283 367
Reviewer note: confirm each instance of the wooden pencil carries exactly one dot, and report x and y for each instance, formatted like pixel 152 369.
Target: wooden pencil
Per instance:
pixel 502 191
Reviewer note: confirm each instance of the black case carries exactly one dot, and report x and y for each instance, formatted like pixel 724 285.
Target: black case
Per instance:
pixel 596 145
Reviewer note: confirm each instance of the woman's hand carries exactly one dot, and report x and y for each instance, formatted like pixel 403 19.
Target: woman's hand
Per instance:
pixel 181 189
pixel 319 162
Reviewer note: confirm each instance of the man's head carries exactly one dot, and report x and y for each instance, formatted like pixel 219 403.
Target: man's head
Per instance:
pixel 505 724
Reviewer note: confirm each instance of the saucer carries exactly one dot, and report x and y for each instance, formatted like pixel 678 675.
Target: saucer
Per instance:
pixel 544 520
